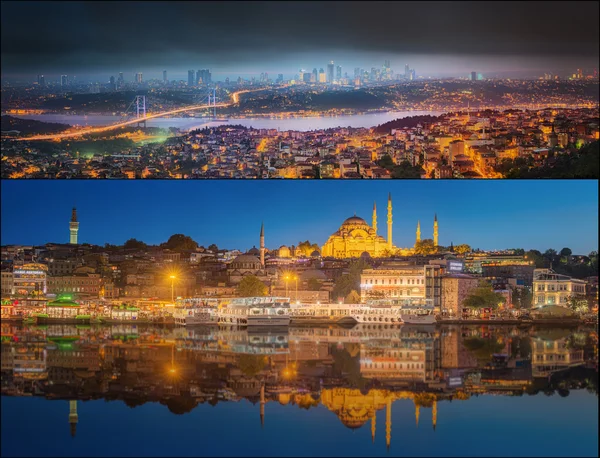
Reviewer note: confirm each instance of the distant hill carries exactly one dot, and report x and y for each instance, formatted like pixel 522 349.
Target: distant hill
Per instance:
pixel 411 121
pixel 29 126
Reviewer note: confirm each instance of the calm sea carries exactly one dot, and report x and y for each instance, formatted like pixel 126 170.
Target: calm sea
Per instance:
pixel 363 391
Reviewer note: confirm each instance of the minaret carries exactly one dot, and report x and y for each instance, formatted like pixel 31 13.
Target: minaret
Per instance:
pixel 435 230
pixel 388 423
pixel 373 421
pixel 73 417
pixel 418 232
pixel 73 227
pixel 434 414
pixel 417 410
pixel 389 222
pixel 262 245
pixel 262 406
pixel 375 217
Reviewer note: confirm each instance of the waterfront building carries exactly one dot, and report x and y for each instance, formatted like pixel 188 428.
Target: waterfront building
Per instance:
pixel 30 279
pixel 8 283
pixel 454 290
pixel 550 288
pixel 406 281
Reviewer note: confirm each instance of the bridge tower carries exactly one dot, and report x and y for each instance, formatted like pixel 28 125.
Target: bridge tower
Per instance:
pixel 140 103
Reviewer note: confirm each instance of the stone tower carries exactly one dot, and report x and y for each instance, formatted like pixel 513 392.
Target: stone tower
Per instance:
pixel 73 227
pixel 389 222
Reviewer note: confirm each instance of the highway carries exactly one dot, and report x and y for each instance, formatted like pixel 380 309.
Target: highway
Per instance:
pixel 95 130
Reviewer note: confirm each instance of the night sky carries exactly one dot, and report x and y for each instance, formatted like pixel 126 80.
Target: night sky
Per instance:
pixel 437 38
pixel 495 214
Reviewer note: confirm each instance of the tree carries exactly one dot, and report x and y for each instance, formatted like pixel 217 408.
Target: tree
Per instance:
pixel 462 249
pixel 578 303
pixel 212 247
pixel 539 260
pixel 251 286
pixel 350 281
pixel 134 244
pixel 483 297
pixel 521 298
pixel 425 247
pixel 314 284
pixel 566 252
pixel 180 242
pixel 352 298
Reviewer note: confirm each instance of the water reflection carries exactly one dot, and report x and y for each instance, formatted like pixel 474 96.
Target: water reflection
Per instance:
pixel 353 372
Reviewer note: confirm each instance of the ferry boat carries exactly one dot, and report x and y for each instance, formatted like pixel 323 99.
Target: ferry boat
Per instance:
pixel 190 315
pixel 122 314
pixel 196 311
pixel 255 311
pixel 412 311
pixel 347 313
pixel 9 312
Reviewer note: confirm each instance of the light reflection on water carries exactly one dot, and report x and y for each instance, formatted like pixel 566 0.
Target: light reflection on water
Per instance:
pixel 300 124
pixel 420 390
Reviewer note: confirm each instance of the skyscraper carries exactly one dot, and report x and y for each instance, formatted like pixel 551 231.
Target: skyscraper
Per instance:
pixel 191 80
pixel 406 71
pixel 322 76
pixel 338 72
pixel 165 77
pixel 113 86
pixel 330 68
pixel 473 76
pixel 63 80
pixel 315 76
pixel 41 80
pixel 120 80
pixel 138 78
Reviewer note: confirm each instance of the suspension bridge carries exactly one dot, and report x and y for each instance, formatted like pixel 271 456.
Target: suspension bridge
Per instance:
pixel 141 116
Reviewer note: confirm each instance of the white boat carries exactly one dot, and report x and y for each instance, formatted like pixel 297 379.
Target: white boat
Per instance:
pixel 352 313
pixel 194 315
pixel 255 311
pixel 418 316
pixel 411 311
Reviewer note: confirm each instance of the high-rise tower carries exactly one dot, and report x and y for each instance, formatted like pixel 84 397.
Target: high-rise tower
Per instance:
pixel 375 217
pixel 262 245
pixel 389 221
pixel 73 227
pixel 435 230
pixel 418 232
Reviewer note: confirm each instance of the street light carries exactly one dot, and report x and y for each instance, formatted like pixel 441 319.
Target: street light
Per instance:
pixel 172 277
pixel 286 278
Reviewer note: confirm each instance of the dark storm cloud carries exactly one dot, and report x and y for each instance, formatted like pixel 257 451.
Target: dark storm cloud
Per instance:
pixel 94 34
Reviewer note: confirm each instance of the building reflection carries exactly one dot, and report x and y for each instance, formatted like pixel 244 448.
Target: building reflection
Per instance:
pixel 352 372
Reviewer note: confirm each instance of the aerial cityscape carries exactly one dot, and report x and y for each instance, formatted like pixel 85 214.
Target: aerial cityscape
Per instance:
pixel 299 228
pixel 334 116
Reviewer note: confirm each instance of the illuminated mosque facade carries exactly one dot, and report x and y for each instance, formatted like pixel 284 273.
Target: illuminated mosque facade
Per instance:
pixel 355 238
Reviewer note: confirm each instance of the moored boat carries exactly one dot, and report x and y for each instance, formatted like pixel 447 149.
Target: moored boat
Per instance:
pixel 255 311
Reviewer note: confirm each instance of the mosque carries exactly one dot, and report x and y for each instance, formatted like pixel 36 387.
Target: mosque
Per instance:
pixel 355 237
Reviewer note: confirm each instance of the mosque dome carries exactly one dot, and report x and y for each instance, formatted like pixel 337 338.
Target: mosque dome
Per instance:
pixel 284 252
pixel 254 251
pixel 313 273
pixel 246 261
pixel 354 221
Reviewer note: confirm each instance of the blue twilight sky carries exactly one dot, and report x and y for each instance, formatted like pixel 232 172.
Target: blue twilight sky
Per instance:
pixel 530 214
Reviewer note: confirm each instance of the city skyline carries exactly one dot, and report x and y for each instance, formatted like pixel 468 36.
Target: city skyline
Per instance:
pixel 511 38
pixel 488 215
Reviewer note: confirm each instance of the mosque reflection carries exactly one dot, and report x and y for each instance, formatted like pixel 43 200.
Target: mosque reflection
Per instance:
pixel 352 372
